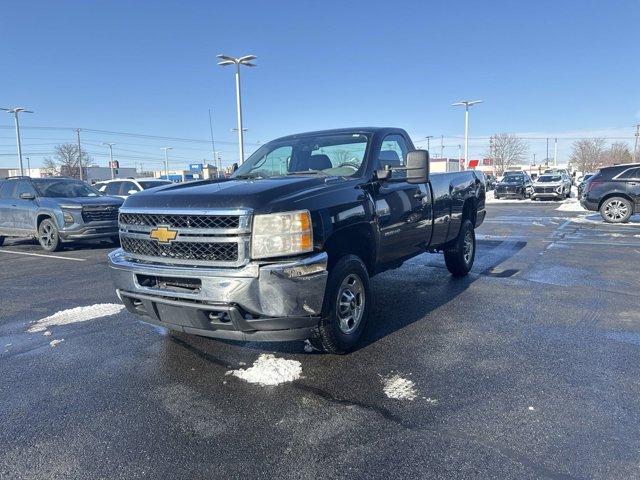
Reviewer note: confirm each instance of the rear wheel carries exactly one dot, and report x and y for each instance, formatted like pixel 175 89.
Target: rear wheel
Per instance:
pixel 48 236
pixel 461 253
pixel 616 210
pixel 345 308
pixel 1 240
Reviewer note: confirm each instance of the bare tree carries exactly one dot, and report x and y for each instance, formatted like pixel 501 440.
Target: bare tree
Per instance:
pixel 618 153
pixel 588 155
pixel 506 150
pixel 66 160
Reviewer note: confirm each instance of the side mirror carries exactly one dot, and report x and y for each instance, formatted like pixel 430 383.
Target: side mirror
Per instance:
pixel 27 196
pixel 417 166
pixel 234 167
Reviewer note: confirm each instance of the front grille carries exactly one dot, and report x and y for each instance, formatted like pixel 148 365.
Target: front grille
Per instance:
pixel 181 221
pixel 99 214
pixel 208 252
pixel 545 189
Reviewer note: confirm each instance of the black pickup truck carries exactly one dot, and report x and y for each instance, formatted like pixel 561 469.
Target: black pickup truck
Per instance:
pixel 285 248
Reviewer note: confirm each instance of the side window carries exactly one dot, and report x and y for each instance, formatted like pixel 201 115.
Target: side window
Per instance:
pixel 126 186
pixel 631 173
pixel 393 152
pixel 8 188
pixel 24 187
pixel 113 188
pixel 101 187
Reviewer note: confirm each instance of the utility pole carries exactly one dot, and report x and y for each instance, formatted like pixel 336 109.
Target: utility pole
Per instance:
pixel 547 150
pixel 77 130
pixel 442 147
pixel 213 144
pixel 459 155
pixel 166 160
pixel 635 147
pixel 110 145
pixel 16 111
pixel 428 137
pixel 28 166
pixel 555 152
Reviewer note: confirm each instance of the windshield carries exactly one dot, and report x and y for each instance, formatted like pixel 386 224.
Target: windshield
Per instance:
pixel 513 178
pixel 57 188
pixel 550 178
pixel 322 154
pixel 146 184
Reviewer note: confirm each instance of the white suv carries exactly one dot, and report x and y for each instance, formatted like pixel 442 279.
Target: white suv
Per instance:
pixel 123 187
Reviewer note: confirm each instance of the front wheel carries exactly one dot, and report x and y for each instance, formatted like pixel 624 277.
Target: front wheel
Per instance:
pixel 48 236
pixel 345 308
pixel 616 210
pixel 461 253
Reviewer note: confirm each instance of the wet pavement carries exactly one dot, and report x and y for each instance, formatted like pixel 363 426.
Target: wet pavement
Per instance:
pixel 527 368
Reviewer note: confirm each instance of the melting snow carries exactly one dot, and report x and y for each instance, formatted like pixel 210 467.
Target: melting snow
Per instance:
pixel 75 315
pixel 53 343
pixel 571 207
pixel 269 370
pixel 47 333
pixel 400 388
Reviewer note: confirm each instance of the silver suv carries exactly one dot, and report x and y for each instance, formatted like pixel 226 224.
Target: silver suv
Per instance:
pixel 56 210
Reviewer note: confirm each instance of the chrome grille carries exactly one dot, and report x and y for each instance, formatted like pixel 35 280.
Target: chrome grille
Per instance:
pixel 200 237
pixel 181 221
pixel 202 252
pixel 100 214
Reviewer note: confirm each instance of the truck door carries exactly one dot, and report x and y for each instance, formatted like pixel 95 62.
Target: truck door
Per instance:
pixel 24 217
pixel 404 210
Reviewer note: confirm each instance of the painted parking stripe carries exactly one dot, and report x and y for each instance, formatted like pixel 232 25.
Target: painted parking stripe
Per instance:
pixel 43 255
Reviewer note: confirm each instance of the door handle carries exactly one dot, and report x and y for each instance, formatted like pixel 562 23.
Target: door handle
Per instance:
pixel 633 184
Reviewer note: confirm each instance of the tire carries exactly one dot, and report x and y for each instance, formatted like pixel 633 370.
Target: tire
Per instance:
pixel 616 210
pixel 115 240
pixel 569 193
pixel 1 241
pixel 497 197
pixel 48 236
pixel 341 325
pixel 461 253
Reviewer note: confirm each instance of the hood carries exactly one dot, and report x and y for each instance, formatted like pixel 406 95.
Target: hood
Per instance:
pixel 88 201
pixel 261 195
pixel 548 184
pixel 511 182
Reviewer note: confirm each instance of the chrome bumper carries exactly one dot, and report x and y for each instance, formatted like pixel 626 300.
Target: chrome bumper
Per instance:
pixel 259 301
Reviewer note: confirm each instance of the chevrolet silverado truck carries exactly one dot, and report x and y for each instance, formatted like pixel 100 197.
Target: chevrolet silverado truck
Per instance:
pixel 285 248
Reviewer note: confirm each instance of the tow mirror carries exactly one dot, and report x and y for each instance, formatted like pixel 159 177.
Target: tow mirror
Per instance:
pixel 417 166
pixel 27 196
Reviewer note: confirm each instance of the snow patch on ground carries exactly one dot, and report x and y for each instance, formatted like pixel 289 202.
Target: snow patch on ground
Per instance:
pixel 399 388
pixel 53 343
pixel 76 315
pixel 571 207
pixel 268 370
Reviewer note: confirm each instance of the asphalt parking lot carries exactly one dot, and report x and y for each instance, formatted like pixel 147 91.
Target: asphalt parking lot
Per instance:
pixel 527 368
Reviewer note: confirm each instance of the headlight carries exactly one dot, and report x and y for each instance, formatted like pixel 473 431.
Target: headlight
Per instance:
pixel 68 218
pixel 281 234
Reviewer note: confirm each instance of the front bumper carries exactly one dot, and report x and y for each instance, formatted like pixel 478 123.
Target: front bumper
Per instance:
pixel 555 195
pixel 260 301
pixel 87 231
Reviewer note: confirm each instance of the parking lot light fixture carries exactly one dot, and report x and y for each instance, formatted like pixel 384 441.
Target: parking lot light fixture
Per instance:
pixel 166 160
pixel 246 60
pixel 15 111
pixel 467 104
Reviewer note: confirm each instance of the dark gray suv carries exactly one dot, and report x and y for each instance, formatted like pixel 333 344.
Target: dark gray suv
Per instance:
pixel 614 192
pixel 55 210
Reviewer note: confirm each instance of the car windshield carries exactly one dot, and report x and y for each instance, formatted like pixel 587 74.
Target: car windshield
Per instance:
pixel 513 178
pixel 339 154
pixel 57 188
pixel 146 184
pixel 550 178
pixel 586 177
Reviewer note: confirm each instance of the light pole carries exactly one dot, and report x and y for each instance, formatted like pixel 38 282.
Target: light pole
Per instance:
pixel 16 111
pixel 459 155
pixel 79 153
pixel 467 104
pixel 166 160
pixel 110 145
pixel 428 137
pixel 246 61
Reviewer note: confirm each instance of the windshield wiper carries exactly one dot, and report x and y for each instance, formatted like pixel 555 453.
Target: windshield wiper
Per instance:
pixel 308 172
pixel 247 176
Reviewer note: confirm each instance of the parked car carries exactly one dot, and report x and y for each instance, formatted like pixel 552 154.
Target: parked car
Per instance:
pixel 614 192
pixel 582 181
pixel 491 181
pixel 123 187
pixel 555 186
pixel 284 249
pixel 514 184
pixel 551 171
pixel 56 210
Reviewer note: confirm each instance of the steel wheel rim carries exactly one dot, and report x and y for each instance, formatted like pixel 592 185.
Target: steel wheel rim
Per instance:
pixel 616 210
pixel 467 248
pixel 48 235
pixel 350 305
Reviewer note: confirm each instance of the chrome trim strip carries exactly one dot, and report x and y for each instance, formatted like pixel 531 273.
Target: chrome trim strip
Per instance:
pixel 188 211
pixel 127 227
pixel 187 238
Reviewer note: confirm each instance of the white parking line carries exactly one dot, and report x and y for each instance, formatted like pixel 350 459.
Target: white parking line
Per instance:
pixel 43 255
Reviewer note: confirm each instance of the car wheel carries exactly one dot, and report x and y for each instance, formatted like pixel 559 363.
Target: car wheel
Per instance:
pixel 48 235
pixel 569 193
pixel 616 210
pixel 345 308
pixel 115 240
pixel 497 197
pixel 1 241
pixel 461 253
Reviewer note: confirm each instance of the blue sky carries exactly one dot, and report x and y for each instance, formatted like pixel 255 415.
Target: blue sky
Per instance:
pixel 557 68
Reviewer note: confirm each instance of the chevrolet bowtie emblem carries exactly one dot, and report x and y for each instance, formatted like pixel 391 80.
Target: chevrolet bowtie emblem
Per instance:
pixel 163 234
